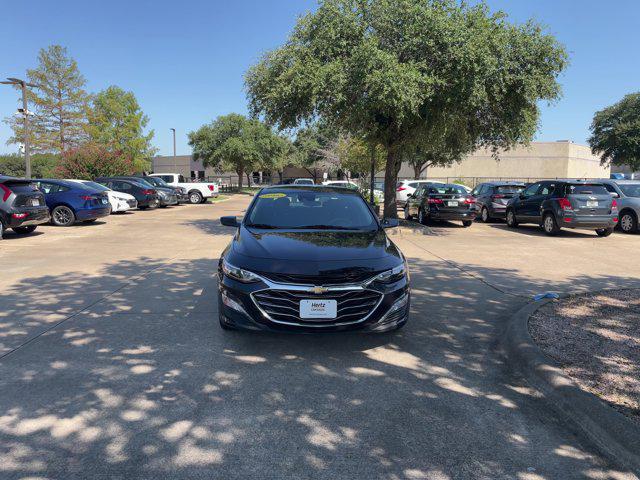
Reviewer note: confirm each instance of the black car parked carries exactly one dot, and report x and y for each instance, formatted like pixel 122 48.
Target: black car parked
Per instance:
pixel 446 202
pixel 146 196
pixel 312 259
pixel 558 204
pixel 22 206
pixel 181 193
pixel 167 196
pixel 492 198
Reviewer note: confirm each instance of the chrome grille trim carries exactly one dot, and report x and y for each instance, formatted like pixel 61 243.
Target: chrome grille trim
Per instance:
pixel 364 309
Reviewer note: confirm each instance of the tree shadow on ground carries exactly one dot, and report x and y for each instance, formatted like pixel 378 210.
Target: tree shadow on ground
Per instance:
pixel 137 381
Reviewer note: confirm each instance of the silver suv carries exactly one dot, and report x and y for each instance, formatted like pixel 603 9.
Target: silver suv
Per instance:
pixel 627 193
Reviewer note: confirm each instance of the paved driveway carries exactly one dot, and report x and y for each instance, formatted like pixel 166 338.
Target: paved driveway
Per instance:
pixel 114 367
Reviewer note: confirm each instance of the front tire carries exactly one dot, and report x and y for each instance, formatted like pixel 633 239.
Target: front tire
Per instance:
pixel 466 223
pixel 604 232
pixel 195 198
pixel 484 215
pixel 25 230
pixel 63 216
pixel 628 222
pixel 512 222
pixel 549 225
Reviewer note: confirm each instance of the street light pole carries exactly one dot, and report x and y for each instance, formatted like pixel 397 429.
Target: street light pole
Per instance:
pixel 25 113
pixel 175 158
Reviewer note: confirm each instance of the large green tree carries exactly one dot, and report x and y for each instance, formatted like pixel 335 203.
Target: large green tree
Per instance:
pixel 237 143
pixel 398 71
pixel 116 121
pixel 58 103
pixel 615 133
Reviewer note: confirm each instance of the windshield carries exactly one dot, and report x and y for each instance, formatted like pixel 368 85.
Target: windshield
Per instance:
pixel 451 189
pixel 631 189
pixel 510 189
pixel 586 189
pixel 157 182
pixel 299 209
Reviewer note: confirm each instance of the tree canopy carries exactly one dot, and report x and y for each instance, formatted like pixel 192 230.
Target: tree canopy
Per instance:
pixel 615 133
pixel 397 72
pixel 235 142
pixel 116 122
pixel 58 103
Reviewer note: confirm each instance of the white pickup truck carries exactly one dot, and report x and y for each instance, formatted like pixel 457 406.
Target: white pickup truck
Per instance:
pixel 198 192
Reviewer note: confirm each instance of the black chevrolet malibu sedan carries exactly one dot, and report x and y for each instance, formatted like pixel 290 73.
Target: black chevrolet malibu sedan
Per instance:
pixel 312 259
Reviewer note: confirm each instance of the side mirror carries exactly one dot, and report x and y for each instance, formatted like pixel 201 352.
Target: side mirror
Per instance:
pixel 390 223
pixel 229 221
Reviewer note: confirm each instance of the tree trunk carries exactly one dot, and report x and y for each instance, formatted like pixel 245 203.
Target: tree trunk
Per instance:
pixel 240 173
pixel 248 179
pixel 390 180
pixel 416 171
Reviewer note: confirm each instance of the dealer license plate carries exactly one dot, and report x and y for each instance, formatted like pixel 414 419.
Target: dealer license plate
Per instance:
pixel 592 203
pixel 318 308
pixel 452 204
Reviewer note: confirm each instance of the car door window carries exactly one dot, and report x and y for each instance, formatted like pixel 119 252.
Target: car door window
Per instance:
pixel 531 190
pixel 48 188
pixel 547 189
pixel 610 188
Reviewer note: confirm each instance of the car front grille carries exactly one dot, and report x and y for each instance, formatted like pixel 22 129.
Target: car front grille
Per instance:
pixel 329 278
pixel 283 306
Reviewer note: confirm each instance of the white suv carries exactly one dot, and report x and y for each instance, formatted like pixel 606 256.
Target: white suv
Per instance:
pixel 408 187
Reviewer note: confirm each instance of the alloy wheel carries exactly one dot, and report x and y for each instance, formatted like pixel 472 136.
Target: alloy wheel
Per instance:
pixel 485 214
pixel 63 216
pixel 626 223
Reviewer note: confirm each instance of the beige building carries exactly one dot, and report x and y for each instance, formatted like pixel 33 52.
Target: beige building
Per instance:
pixel 563 159
pixel 539 160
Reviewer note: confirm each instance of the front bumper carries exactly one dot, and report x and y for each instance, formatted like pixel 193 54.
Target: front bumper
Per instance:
pixel 168 200
pixel 240 309
pixel 34 216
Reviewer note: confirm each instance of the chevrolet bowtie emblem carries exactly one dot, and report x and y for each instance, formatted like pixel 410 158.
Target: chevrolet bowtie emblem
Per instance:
pixel 320 290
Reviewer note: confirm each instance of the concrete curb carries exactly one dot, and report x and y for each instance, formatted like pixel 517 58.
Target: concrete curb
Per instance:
pixel 613 433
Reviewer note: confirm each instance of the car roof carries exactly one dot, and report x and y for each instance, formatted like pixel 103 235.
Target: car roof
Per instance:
pixel 56 181
pixel 505 183
pixel 621 182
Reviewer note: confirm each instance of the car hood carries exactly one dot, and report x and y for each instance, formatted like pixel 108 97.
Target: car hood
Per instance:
pixel 313 245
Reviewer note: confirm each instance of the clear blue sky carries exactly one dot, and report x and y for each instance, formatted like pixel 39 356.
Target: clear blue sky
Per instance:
pixel 185 60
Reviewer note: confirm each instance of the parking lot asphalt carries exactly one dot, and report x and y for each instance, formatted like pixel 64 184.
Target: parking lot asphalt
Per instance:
pixel 113 365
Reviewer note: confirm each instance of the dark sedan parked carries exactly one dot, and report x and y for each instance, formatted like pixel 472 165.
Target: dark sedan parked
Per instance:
pixel 72 202
pixel 146 196
pixel 312 259
pixel 561 204
pixel 167 196
pixel 181 193
pixel 22 206
pixel 443 202
pixel 492 198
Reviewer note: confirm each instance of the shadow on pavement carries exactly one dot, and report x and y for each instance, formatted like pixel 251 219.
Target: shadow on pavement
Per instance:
pixel 139 382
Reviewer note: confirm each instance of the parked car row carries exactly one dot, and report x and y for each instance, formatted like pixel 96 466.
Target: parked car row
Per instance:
pixel 600 205
pixel 25 204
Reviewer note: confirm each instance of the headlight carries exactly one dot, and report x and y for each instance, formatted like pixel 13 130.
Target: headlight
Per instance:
pixel 239 274
pixel 392 275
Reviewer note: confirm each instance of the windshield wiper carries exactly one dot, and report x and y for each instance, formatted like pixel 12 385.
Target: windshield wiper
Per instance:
pixel 261 225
